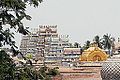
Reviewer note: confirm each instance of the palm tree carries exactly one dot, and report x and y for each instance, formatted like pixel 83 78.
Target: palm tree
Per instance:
pixel 86 45
pixel 107 42
pixel 98 41
pixel 71 45
pixel 77 45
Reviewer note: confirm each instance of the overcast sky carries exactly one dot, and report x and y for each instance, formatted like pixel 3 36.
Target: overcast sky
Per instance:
pixel 80 19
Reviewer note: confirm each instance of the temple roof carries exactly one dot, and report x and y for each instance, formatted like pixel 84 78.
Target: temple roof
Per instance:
pixel 94 48
pixel 93 53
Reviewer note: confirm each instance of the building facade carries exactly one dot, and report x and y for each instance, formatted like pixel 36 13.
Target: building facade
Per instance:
pixel 29 43
pixel 44 43
pixel 56 50
pixel 71 56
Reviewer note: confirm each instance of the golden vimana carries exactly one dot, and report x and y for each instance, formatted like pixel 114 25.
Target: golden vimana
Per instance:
pixel 94 53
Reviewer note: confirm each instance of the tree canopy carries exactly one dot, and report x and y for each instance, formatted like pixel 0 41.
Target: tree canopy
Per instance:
pixel 12 13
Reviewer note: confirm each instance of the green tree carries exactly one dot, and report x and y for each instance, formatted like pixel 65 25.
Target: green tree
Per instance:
pixel 71 45
pixel 97 41
pixel 77 45
pixel 86 45
pixel 12 13
pixel 26 73
pixel 46 73
pixel 9 70
pixel 107 42
pixel 29 56
pixel 7 67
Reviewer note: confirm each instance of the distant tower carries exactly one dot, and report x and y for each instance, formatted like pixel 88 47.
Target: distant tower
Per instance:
pixel 44 44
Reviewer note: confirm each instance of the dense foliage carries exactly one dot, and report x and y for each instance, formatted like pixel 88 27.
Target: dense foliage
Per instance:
pixel 12 13
pixel 7 67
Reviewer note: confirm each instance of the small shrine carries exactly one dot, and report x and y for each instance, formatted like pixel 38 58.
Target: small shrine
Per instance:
pixel 94 53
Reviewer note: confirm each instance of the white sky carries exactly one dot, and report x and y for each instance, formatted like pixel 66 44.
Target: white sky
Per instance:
pixel 80 19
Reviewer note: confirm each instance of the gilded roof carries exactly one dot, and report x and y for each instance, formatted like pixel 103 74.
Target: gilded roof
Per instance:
pixel 93 54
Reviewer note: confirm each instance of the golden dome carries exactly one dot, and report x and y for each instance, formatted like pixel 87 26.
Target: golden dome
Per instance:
pixel 93 53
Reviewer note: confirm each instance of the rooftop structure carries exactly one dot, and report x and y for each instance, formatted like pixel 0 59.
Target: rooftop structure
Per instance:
pixel 93 53
pixel 82 73
pixel 70 56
